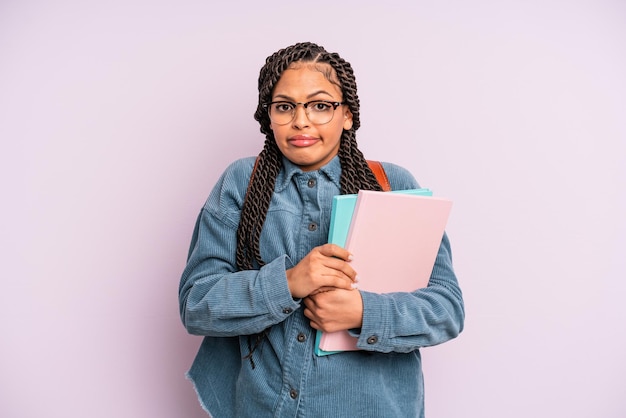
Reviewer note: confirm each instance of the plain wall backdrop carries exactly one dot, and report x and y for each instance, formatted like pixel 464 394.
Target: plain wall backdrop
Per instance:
pixel 117 117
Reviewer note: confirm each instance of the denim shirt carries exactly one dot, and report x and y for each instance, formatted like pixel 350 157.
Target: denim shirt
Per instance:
pixel 383 379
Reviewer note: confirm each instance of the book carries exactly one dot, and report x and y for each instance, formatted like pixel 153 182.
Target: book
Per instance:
pixel 394 238
pixel 343 208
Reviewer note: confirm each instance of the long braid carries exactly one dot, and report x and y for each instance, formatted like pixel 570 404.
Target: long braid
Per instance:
pixel 255 205
pixel 355 173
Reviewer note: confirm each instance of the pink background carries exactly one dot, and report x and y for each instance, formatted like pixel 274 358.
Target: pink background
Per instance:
pixel 117 117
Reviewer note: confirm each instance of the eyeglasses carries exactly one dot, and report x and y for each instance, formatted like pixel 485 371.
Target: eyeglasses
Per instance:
pixel 319 112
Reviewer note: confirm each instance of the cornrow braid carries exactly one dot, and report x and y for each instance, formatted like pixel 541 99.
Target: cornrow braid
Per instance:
pixel 355 173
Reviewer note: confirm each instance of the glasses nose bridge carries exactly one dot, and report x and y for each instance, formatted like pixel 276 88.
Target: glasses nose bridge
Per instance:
pixel 305 107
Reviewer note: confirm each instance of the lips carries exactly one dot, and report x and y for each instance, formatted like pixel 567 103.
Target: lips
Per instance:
pixel 302 140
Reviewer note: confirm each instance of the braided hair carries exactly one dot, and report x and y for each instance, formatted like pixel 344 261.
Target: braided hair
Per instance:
pixel 355 172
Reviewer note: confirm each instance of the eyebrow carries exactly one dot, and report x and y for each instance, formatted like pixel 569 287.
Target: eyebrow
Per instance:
pixel 284 96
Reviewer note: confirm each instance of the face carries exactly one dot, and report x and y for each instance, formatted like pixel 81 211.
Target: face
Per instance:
pixel 305 144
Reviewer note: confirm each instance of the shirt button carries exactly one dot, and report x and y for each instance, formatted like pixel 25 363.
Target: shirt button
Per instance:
pixel 372 340
pixel 287 310
pixel 312 226
pixel 301 337
pixel 293 393
pixel 311 183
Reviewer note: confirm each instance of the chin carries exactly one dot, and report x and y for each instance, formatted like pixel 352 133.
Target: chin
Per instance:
pixel 306 165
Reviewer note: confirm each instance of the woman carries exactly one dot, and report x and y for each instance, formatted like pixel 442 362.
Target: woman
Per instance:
pixel 260 279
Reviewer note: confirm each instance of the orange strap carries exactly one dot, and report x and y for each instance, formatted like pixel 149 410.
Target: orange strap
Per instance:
pixel 380 174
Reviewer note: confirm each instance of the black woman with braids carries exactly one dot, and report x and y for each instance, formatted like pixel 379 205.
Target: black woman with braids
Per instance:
pixel 260 278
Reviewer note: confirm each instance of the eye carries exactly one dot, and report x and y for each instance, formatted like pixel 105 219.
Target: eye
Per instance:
pixel 320 107
pixel 282 107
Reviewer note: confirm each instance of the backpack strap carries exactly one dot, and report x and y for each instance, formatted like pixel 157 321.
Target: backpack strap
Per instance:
pixel 380 174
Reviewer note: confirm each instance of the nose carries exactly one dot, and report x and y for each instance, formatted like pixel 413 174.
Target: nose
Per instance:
pixel 300 118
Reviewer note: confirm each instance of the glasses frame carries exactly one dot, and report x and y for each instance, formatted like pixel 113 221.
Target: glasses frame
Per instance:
pixel 305 105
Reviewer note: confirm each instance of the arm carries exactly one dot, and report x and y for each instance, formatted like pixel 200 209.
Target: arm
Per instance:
pixel 217 300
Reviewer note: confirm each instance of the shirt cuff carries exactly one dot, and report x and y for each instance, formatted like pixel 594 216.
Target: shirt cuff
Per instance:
pixel 273 279
pixel 374 330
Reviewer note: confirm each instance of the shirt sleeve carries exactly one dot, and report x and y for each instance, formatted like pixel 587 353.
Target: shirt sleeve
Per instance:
pixel 217 300
pixel 406 321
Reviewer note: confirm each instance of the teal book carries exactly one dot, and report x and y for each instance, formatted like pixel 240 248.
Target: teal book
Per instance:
pixel 340 219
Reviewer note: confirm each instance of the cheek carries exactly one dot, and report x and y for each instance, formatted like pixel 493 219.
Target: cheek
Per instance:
pixel 339 127
pixel 277 130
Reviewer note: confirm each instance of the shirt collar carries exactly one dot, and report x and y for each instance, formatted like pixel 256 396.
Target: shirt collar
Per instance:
pixel 332 171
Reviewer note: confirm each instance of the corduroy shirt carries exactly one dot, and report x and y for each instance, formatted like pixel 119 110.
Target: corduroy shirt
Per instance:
pixel 383 379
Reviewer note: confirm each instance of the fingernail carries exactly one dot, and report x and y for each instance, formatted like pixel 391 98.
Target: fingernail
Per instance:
pixel 354 285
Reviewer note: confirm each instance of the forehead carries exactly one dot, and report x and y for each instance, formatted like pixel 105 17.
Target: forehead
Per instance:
pixel 306 79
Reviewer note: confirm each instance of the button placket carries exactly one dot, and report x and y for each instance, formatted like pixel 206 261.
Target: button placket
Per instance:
pixel 308 186
pixel 298 348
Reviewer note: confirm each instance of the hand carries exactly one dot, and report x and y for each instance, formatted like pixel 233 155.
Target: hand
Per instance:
pixel 324 268
pixel 335 310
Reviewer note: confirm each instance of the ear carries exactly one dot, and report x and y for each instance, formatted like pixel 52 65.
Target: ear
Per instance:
pixel 347 119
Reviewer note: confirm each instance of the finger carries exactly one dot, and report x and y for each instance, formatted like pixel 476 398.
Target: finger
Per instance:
pixel 332 250
pixel 342 267
pixel 311 316
pixel 315 325
pixel 341 282
pixel 309 303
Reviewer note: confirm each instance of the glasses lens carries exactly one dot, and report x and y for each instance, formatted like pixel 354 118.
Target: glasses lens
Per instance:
pixel 281 113
pixel 320 113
